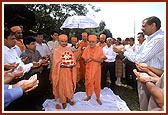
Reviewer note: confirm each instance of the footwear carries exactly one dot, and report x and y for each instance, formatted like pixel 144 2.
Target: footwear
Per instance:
pixel 118 82
pixel 87 98
pixel 99 102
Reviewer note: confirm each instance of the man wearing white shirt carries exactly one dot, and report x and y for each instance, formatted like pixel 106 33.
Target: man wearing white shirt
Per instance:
pixel 141 39
pixel 53 43
pixel 17 49
pixel 11 58
pixel 45 53
pixel 43 48
pixel 11 55
pixel 151 52
pixel 129 66
pixel 108 64
pixel 40 46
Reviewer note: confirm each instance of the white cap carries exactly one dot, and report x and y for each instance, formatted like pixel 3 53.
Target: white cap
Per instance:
pixel 109 38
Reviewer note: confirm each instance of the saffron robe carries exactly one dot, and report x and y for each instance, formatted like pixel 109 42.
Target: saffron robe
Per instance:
pixel 83 45
pixel 93 70
pixel 63 78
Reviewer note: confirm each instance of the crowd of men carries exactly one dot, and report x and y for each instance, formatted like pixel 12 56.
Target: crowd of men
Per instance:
pixel 34 68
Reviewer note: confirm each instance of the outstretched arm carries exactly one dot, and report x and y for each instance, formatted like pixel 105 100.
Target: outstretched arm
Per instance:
pixel 156 92
pixel 150 81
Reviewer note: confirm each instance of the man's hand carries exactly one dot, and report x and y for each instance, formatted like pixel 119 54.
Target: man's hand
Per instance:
pixel 117 49
pixel 142 77
pixel 44 62
pixel 19 72
pixel 14 75
pixel 24 59
pixel 47 57
pixel 142 67
pixel 8 73
pixel 32 84
pixel 12 66
pixel 88 60
pixel 36 64
pixel 28 85
pixel 96 60
pixel 73 49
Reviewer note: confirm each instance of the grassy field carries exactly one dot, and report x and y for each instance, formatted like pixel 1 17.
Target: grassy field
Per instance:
pixel 129 96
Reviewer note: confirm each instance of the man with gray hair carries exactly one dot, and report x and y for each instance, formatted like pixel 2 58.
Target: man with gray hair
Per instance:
pixel 151 52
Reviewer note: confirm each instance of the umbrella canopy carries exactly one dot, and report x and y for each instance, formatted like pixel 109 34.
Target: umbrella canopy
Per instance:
pixel 79 22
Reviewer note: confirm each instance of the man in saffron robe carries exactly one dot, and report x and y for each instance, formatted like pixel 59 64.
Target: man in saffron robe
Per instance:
pixel 83 44
pixel 102 40
pixel 93 56
pixel 77 53
pixel 63 72
pixel 19 37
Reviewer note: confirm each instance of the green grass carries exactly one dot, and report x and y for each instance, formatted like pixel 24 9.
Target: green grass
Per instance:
pixel 130 96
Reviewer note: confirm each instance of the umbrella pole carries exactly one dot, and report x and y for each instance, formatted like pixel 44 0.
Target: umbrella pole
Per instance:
pixel 78 32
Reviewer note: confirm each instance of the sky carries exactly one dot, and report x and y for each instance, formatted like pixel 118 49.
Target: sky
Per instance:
pixel 122 17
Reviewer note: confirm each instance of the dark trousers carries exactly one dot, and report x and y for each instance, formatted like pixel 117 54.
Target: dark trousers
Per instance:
pixel 108 67
pixel 129 74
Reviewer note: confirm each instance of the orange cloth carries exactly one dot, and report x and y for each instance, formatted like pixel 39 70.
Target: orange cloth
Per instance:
pixel 83 45
pixel 103 36
pixel 63 79
pixel 93 70
pixel 84 34
pixel 92 38
pixel 101 44
pixel 20 44
pixel 77 55
pixel 15 28
pixel 74 39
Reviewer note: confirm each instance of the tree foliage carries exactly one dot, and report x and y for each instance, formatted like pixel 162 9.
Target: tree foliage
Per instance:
pixel 102 30
pixel 51 16
pixel 102 26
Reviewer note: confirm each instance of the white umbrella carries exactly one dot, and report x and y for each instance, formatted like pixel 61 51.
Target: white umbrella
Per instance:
pixel 79 22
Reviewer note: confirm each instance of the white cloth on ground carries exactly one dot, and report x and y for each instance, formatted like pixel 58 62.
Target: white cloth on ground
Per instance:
pixel 110 102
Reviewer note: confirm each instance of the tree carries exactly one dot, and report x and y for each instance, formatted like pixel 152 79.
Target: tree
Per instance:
pixel 49 17
pixel 101 30
pixel 108 33
pixel 102 25
pixel 52 16
pixel 18 14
